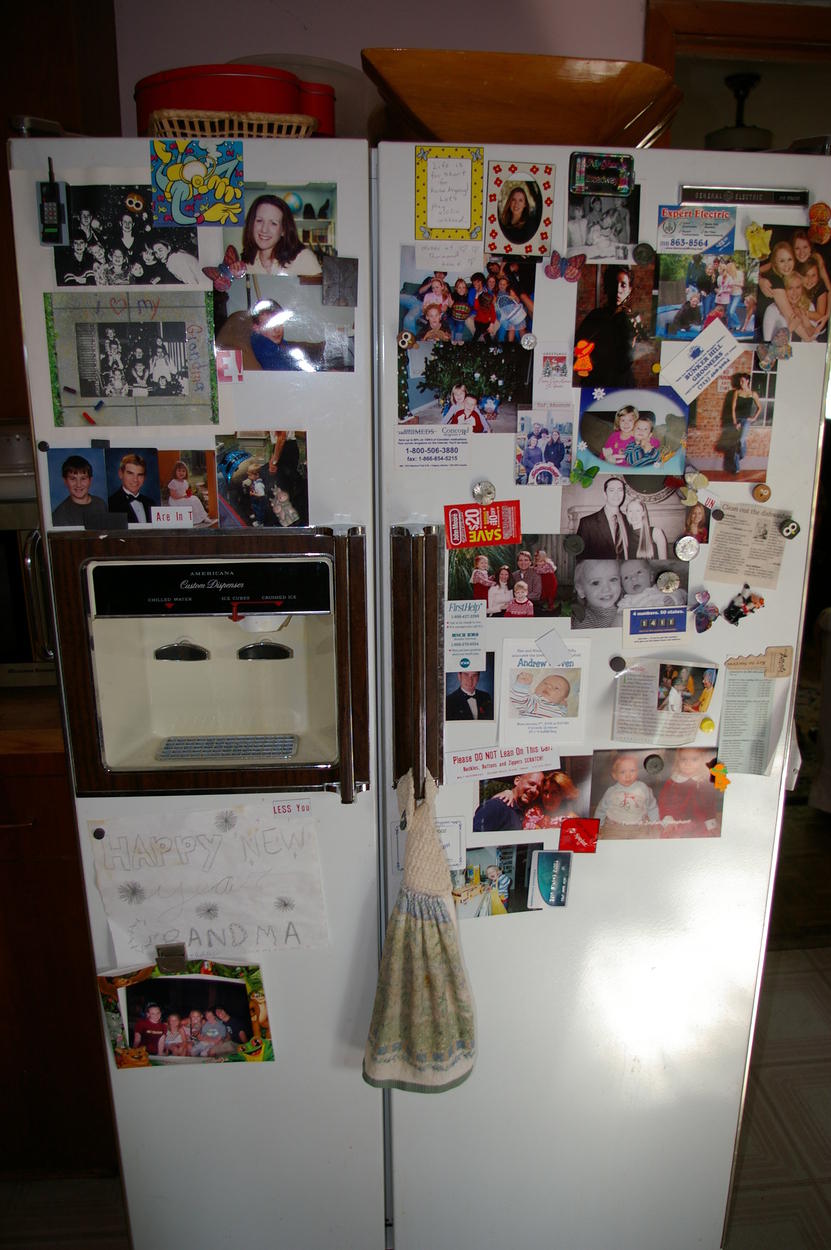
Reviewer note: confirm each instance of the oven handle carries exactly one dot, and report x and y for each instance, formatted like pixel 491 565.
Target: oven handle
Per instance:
pixel 34 592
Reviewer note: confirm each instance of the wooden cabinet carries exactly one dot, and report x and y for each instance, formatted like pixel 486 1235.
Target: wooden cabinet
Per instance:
pixel 56 1104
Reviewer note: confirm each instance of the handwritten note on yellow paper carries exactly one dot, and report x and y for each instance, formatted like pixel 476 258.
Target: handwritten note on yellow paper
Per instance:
pixel 449 183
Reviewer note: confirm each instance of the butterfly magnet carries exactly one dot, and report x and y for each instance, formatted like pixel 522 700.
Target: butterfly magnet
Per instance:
pixel 569 267
pixel 223 275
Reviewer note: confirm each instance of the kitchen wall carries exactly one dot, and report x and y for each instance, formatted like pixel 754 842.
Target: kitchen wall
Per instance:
pixel 154 35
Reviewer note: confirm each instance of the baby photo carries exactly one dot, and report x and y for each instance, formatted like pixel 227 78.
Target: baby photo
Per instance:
pixel 731 422
pixel 604 588
pixel 685 688
pixel 656 793
pixel 695 290
pixel 794 288
pixel 633 431
pixel 543 694
pixel 262 479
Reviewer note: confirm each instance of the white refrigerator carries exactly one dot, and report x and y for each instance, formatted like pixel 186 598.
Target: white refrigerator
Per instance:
pixel 613 1033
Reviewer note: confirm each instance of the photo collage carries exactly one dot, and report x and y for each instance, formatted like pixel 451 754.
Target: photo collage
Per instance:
pixel 664 396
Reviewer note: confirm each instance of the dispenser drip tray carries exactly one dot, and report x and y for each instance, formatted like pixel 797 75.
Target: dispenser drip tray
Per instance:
pixel 229 746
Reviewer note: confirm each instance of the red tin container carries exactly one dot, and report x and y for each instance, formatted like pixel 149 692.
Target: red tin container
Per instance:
pixel 317 99
pixel 232 88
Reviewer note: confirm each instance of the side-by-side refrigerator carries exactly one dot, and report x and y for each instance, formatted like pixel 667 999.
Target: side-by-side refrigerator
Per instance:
pixel 565 534
pixel 217 659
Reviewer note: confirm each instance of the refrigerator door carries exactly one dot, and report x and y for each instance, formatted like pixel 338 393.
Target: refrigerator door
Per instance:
pixel 613 1033
pixel 287 1153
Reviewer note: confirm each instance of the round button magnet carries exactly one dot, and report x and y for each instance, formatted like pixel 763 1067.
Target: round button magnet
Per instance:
pixel 707 725
pixel 668 581
pixel 528 341
pixel 761 492
pixel 484 491
pixel 643 254
pixel 686 547
pixel 617 664
pixel 717 514
pixel 573 544
pixel 653 764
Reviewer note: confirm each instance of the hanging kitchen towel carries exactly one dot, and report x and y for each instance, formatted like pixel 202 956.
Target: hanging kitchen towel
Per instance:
pixel 421 1036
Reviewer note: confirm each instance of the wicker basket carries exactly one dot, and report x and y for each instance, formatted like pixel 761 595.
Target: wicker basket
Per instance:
pixel 205 124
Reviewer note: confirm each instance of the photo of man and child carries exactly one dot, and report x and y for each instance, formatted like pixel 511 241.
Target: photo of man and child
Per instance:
pixel 656 793
pixel 634 431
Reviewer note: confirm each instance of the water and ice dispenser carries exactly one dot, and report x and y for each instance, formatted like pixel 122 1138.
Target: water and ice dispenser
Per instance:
pixel 218 662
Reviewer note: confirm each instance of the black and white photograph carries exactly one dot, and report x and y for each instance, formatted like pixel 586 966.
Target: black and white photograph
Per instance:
pixel 113 242
pixel 603 227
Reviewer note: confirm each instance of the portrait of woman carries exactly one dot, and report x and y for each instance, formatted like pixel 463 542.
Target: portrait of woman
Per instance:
pixel 651 541
pixel 697 522
pixel 519 212
pixel 270 243
pixel 741 408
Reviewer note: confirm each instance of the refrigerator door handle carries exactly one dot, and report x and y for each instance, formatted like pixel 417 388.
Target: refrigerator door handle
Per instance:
pixel 34 590
pixel 417 619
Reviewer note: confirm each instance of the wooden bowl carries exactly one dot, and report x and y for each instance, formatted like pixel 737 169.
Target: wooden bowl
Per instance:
pixel 519 98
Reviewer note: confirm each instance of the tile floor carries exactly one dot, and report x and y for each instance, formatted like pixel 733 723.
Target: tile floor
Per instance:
pixel 782 1191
